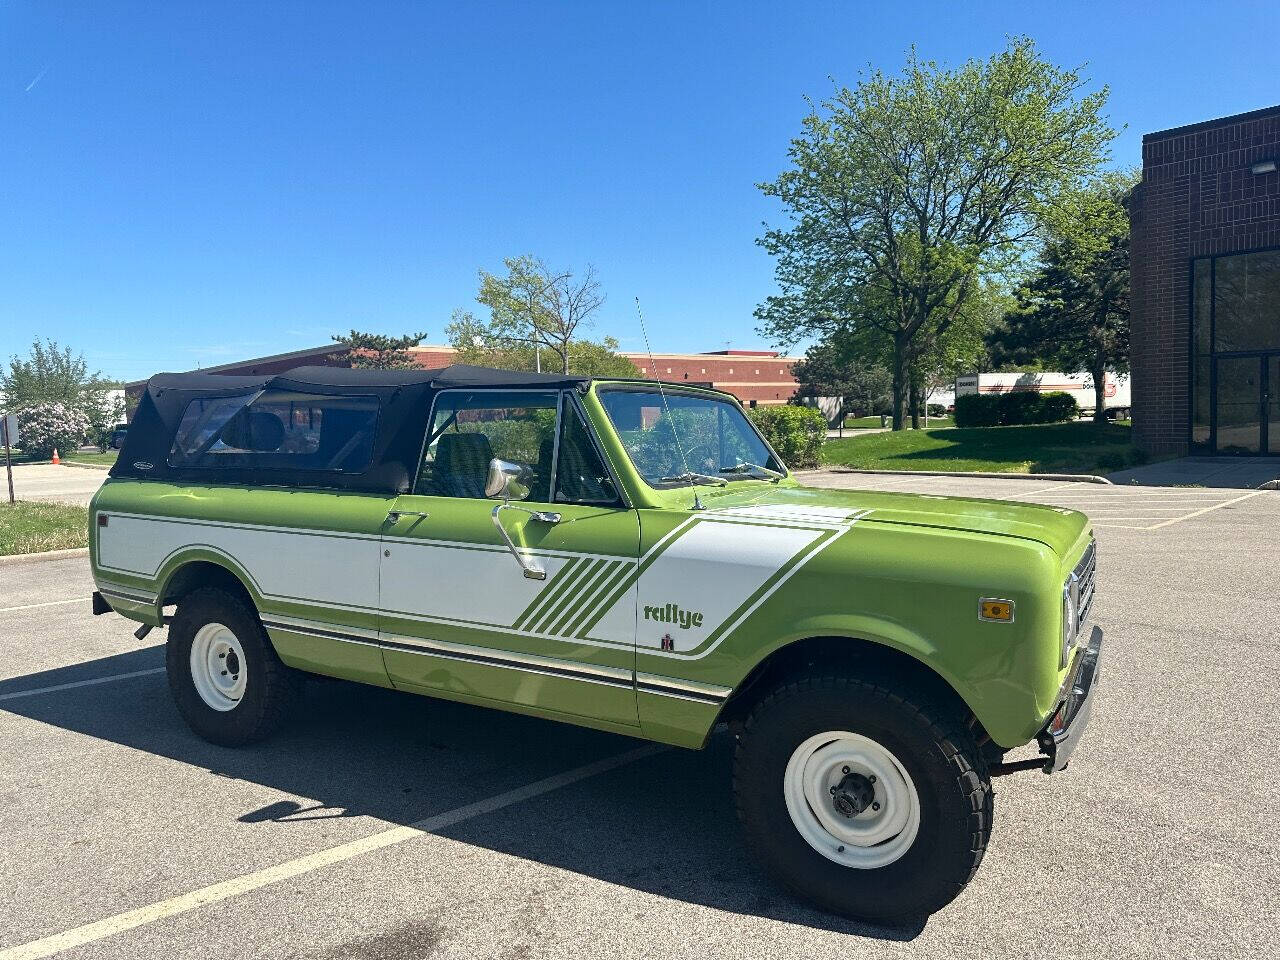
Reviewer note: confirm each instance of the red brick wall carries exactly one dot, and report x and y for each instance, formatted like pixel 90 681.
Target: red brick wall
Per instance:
pixel 1198 197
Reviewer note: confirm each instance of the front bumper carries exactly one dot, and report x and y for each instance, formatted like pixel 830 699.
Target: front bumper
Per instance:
pixel 1061 735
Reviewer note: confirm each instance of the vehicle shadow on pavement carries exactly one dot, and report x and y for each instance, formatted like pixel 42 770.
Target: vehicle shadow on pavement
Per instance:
pixel 664 825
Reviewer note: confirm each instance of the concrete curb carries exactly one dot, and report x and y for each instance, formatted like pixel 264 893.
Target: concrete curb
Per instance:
pixel 1065 477
pixel 46 555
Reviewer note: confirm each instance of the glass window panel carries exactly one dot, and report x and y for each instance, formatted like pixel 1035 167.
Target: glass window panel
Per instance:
pixel 1239 404
pixel 1200 403
pixel 1247 302
pixel 470 429
pixel 277 430
pixel 710 435
pixel 581 476
pixel 1202 299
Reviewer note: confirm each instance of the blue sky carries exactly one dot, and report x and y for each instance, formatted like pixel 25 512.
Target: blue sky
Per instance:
pixel 186 184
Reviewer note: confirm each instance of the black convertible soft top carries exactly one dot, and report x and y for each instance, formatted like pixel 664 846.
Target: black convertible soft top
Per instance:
pixel 403 400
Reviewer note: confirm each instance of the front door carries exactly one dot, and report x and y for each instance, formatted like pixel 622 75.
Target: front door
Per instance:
pixel 462 614
pixel 1247 404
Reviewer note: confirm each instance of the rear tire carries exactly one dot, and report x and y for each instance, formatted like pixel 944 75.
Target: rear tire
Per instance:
pixel 226 679
pixel 818 742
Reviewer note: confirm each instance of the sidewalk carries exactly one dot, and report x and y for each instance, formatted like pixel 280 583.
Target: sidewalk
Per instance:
pixel 1245 473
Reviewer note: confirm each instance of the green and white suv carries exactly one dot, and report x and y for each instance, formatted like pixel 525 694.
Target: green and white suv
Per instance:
pixel 620 555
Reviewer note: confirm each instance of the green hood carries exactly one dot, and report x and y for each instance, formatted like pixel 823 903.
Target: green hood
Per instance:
pixel 1055 527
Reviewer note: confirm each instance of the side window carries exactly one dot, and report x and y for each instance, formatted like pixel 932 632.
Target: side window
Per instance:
pixel 468 429
pixel 277 429
pixel 581 476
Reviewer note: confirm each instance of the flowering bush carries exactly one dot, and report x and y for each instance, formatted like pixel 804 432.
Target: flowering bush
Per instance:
pixel 46 426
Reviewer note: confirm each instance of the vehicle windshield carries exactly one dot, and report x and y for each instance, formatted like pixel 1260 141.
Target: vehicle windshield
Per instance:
pixel 687 435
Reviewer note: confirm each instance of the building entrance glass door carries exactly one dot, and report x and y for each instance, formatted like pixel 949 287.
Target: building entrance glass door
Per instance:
pixel 1271 422
pixel 1243 409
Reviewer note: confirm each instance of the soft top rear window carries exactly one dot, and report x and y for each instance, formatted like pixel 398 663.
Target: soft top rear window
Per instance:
pixel 277 430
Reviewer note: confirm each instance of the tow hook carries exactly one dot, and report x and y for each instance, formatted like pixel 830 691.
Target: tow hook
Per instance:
pixel 1044 762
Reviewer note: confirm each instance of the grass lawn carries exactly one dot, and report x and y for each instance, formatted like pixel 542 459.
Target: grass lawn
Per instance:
pixel 93 456
pixel 27 527
pixel 1081 447
pixel 78 456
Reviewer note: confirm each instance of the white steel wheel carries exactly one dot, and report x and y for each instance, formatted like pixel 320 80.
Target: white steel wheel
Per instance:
pixel 219 670
pixel 851 800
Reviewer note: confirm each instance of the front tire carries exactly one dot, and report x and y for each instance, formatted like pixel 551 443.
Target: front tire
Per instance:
pixel 226 679
pixel 861 799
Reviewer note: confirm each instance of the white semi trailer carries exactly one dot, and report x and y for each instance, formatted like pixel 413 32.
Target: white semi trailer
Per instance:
pixel 1079 385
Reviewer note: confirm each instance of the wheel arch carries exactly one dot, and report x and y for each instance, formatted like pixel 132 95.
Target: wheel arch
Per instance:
pixel 870 659
pixel 204 568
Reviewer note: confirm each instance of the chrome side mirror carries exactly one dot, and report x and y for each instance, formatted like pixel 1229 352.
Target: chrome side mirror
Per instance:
pixel 502 474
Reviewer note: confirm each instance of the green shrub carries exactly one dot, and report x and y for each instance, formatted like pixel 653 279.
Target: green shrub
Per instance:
pixel 978 410
pixel 1111 460
pixel 1057 408
pixel 936 410
pixel 1014 408
pixel 797 433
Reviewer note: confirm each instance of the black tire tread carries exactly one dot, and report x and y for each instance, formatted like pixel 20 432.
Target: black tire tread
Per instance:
pixel 948 730
pixel 280 686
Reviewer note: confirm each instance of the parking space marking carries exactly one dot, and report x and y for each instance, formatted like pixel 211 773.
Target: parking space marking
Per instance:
pixel 217 892
pixel 51 603
pixel 80 683
pixel 1216 506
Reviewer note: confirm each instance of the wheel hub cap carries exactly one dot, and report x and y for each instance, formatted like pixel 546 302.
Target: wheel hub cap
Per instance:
pixel 218 668
pixel 851 799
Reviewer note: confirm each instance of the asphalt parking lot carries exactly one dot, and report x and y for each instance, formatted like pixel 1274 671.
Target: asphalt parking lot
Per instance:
pixel 63 483
pixel 385 825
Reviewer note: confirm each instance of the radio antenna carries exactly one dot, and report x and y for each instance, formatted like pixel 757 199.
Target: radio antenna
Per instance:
pixel 666 407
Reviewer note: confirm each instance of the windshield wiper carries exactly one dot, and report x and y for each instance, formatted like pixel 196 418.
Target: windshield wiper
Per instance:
pixel 690 477
pixel 754 471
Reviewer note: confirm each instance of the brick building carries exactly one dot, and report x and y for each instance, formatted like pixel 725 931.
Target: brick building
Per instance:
pixel 755 377
pixel 1206 288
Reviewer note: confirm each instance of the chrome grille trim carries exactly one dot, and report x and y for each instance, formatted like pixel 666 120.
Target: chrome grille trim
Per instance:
pixel 1085 573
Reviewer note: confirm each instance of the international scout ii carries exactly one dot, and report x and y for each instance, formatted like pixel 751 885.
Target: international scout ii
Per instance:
pixel 630 556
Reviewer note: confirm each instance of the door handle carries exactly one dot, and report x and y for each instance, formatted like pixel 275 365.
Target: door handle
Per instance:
pixel 393 516
pixel 532 569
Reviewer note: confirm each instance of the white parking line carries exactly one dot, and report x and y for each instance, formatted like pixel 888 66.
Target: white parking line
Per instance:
pixel 80 683
pixel 217 892
pixel 51 603
pixel 1216 506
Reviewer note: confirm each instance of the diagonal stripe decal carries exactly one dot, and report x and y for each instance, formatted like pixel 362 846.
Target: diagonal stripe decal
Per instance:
pixel 542 623
pixel 550 592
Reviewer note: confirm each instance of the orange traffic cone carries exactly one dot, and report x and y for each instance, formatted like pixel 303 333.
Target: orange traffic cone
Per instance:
pixel 55 455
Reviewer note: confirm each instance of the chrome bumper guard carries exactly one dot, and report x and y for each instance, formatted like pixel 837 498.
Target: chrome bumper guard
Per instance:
pixel 1061 735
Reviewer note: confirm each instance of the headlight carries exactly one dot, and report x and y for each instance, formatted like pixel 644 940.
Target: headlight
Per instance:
pixel 1070 616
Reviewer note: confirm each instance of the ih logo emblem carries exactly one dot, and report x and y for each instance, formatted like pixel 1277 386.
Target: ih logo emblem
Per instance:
pixel 668 642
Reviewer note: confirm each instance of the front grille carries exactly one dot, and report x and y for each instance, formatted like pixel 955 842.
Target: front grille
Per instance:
pixel 1085 576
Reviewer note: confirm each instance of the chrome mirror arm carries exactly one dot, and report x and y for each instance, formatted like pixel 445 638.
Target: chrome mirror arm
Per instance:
pixel 532 569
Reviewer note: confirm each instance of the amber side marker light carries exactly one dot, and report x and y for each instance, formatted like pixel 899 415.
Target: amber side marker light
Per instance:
pixel 995 611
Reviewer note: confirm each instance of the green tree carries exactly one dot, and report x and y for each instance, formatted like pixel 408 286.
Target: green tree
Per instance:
pixel 50 374
pixel 533 305
pixel 906 192
pixel 378 351
pixel 838 368
pixel 586 357
pixel 1073 313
